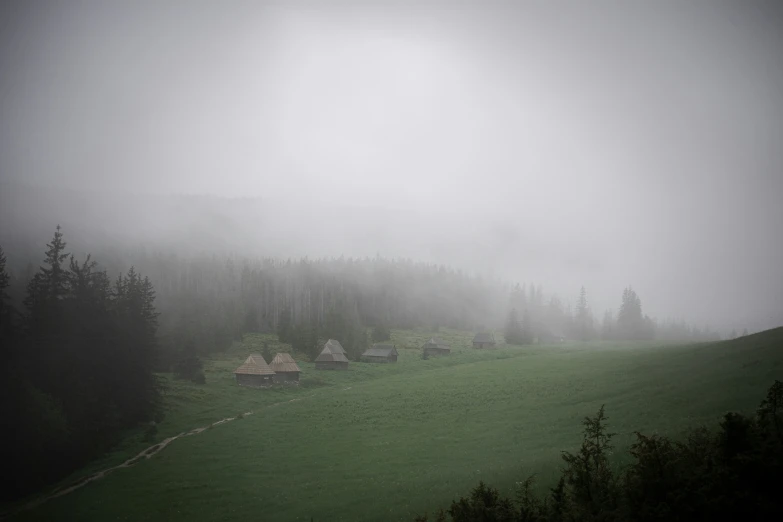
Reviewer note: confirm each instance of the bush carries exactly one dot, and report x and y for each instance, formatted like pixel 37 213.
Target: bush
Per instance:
pixel 190 367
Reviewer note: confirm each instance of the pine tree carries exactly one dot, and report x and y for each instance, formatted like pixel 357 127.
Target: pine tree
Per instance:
pixel 7 348
pixel 5 279
pixel 513 331
pixel 555 317
pixel 630 321
pixel 285 326
pixel 583 321
pixel 49 285
pixel 527 328
pixel 5 307
pixel 607 327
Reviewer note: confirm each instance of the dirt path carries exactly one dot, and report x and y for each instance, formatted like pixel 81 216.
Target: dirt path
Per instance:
pixel 144 455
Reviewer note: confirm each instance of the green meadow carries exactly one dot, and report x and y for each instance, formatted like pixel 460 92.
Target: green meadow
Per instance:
pixel 389 441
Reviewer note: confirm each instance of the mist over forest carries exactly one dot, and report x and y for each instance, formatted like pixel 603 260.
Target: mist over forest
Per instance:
pixel 462 144
pixel 578 186
pixel 121 227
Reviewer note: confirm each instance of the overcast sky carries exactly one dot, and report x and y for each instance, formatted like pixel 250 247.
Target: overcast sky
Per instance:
pixel 603 143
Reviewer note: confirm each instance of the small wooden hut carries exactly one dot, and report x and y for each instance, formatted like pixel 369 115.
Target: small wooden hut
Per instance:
pixel 254 372
pixel 381 353
pixel 436 346
pixel 285 368
pixel 484 340
pixel 332 357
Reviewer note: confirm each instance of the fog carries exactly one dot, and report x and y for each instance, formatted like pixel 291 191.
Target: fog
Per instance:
pixel 604 145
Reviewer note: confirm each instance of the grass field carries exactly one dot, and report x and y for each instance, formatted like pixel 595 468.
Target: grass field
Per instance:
pixel 385 442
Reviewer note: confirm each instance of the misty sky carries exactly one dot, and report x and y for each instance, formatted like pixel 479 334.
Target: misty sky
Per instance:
pixel 615 143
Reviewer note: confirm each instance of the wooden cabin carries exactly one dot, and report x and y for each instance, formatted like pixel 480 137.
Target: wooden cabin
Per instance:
pixel 254 372
pixel 436 346
pixel 484 340
pixel 332 357
pixel 381 353
pixel 285 368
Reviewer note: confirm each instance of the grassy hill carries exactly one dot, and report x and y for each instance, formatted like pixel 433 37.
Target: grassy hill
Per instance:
pixel 384 442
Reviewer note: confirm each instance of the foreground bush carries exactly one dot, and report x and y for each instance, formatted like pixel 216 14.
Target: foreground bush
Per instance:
pixel 732 473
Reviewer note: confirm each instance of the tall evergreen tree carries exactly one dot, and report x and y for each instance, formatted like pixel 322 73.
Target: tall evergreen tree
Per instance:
pixel 583 320
pixel 630 322
pixel 527 328
pixel 607 326
pixel 5 306
pixel 50 283
pixel 285 326
pixel 513 332
pixel 5 279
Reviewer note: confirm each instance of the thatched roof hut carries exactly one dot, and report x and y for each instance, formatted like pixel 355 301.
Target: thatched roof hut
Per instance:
pixel 332 357
pixel 484 340
pixel 285 368
pixel 436 346
pixel 381 353
pixel 254 372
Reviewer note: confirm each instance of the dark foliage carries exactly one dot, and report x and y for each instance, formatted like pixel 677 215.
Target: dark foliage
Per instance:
pixel 190 367
pixel 732 473
pixel 380 333
pixel 77 367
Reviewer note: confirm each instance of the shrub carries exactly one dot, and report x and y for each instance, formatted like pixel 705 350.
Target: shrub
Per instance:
pixel 729 474
pixel 190 367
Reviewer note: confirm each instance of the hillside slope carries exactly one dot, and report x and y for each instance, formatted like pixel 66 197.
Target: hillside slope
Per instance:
pixel 383 442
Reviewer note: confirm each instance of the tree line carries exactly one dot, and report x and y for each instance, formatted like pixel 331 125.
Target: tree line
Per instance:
pixel 553 321
pixel 731 473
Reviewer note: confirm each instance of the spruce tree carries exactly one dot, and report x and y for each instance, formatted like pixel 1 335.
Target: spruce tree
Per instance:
pixel 7 347
pixel 5 279
pixel 49 285
pixel 582 318
pixel 285 326
pixel 513 332
pixel 527 328
pixel 630 321
pixel 5 307
pixel 607 327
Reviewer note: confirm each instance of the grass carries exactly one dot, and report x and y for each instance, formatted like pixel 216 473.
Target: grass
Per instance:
pixel 388 441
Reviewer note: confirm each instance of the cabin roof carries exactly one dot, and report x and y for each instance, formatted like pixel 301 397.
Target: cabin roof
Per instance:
pixel 484 337
pixel 332 352
pixel 255 365
pixel 283 362
pixel 380 350
pixel 437 342
pixel 334 346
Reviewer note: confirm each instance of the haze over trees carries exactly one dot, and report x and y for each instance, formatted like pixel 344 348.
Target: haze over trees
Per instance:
pixel 78 362
pixel 246 177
